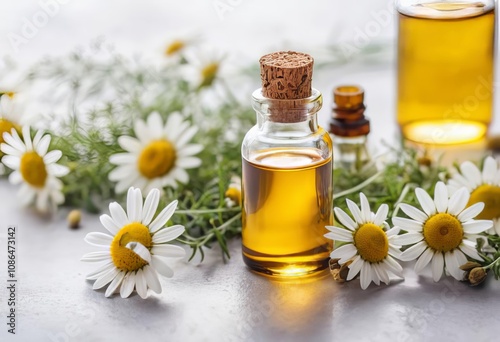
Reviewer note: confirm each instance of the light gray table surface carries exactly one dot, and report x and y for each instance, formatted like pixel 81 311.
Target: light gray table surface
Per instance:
pixel 213 301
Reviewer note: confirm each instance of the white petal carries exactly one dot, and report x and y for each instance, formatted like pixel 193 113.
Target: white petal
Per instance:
pixel 7 149
pixel 489 170
pixel 354 268
pixel 365 277
pixel 126 183
pixel 99 239
pixel 52 156
pixel 175 126
pixel 344 253
pixel 345 219
pixel 96 256
pixel 169 251
pixel 190 150
pixel 459 181
pixel 471 212
pixel 425 201
pixel 142 132
pixel 11 162
pixel 477 226
pixel 393 231
pixel 118 214
pixel 381 215
pixel 188 162
pixel 393 266
pixel 408 238
pixel 57 170
pixel 130 144
pixel 109 224
pixel 141 284
pixel 437 266
pixel 458 201
pixel 168 234
pixel 101 270
pixel 43 145
pixel 121 172
pixel 471 172
pixel 413 212
pixel 339 234
pixel 38 136
pixel 161 267
pixel 15 177
pixel 139 249
pixel 150 206
pixel 180 174
pixel 12 141
pixel 105 279
pixel 407 224
pixel 122 159
pixel 374 274
pixel 414 251
pixel 117 281
pixel 27 138
pixel 424 260
pixel 469 248
pixel 356 213
pixel 186 136
pixel 127 285
pixel 155 125
pixel 382 273
pixel 134 205
pixel 163 217
pixel 441 197
pixel 453 264
pixel 365 208
pixel 152 279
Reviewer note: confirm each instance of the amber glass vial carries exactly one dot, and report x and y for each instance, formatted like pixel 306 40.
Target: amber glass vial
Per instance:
pixel 287 173
pixel 445 70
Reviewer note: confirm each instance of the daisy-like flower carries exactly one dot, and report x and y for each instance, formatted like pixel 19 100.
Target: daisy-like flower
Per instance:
pixel 233 192
pixel 205 68
pixel 11 114
pixel 441 234
pixel 136 251
pixel 158 157
pixel 35 168
pixel 177 47
pixel 484 186
pixel 369 248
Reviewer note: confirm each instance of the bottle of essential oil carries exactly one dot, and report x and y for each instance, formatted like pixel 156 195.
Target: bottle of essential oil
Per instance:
pixel 445 69
pixel 349 128
pixel 287 172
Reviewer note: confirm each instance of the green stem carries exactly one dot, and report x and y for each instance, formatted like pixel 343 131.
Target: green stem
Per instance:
pixel 357 187
pixel 492 264
pixel 401 197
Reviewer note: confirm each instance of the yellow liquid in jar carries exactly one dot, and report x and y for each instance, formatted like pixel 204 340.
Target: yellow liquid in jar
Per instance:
pixel 445 72
pixel 287 202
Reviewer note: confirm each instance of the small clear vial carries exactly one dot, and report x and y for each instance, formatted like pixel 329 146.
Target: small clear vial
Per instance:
pixel 349 128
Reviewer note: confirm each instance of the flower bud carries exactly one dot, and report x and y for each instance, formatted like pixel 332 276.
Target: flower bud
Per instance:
pixel 477 276
pixel 74 218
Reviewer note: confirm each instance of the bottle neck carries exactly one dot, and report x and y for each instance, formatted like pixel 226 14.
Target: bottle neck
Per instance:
pixel 287 118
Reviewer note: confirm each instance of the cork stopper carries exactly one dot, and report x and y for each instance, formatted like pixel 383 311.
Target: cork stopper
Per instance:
pixel 287 75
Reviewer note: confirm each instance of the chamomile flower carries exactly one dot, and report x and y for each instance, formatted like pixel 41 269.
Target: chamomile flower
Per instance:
pixel 367 244
pixel 136 250
pixel 158 157
pixel 233 192
pixel 205 68
pixel 35 168
pixel 11 113
pixel 484 186
pixel 441 234
pixel 176 47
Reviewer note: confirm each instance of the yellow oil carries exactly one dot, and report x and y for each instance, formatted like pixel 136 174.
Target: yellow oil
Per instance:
pixel 287 199
pixel 445 71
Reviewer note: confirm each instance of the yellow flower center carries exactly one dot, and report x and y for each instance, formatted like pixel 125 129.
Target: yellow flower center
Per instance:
pixel 490 196
pixel 443 232
pixel 371 242
pixel 234 195
pixel 208 73
pixel 33 169
pixel 7 126
pixel 174 47
pixel 157 159
pixel 124 258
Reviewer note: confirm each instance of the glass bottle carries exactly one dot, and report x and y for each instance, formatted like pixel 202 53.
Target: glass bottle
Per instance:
pixel 349 128
pixel 445 69
pixel 287 185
